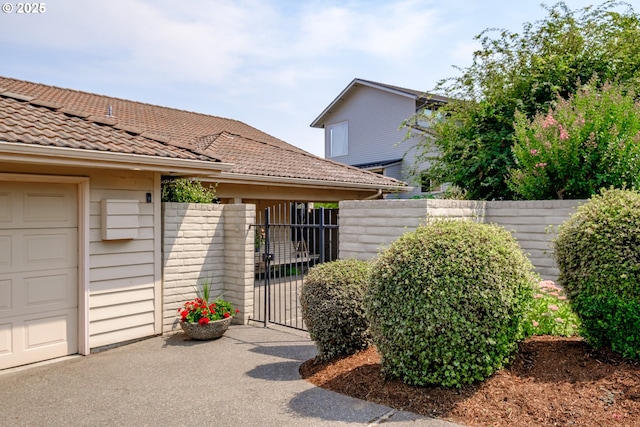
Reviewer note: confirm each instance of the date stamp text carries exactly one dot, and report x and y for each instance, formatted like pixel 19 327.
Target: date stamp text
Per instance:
pixel 24 8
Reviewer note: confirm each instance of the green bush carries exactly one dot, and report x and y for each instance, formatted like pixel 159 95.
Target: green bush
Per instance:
pixel 331 300
pixel 551 313
pixel 184 190
pixel 447 303
pixel 598 254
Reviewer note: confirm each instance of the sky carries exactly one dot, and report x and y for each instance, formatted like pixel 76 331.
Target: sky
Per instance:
pixel 273 64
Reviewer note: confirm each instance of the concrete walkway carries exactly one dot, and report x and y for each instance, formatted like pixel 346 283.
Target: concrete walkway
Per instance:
pixel 249 377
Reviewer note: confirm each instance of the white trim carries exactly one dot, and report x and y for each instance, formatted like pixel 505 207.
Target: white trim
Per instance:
pixel 84 199
pixel 317 122
pixel 158 288
pixel 57 156
pixel 83 244
pixel 37 154
pixel 387 89
pixel 234 178
pixel 341 129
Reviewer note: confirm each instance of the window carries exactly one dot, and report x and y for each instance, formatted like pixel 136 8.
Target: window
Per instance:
pixel 427 115
pixel 422 117
pixel 429 186
pixel 338 139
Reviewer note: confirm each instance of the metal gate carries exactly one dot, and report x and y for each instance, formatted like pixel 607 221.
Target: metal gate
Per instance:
pixel 289 239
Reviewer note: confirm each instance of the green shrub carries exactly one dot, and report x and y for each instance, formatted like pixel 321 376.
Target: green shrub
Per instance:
pixel 184 190
pixel 551 313
pixel 331 300
pixel 447 303
pixel 598 254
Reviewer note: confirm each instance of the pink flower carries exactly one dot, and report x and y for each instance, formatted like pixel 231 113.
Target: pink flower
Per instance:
pixel 549 121
pixel 534 152
pixel 552 307
pixel 541 165
pixel 559 320
pixel 538 296
pixel 535 324
pixel 564 135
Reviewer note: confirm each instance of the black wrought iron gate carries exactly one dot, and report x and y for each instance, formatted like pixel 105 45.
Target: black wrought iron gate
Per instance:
pixel 289 239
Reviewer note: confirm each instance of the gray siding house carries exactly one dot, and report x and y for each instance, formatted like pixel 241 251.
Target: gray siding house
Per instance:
pixel 362 128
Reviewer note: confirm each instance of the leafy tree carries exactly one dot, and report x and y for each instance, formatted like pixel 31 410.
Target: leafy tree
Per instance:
pixel 522 72
pixel 587 142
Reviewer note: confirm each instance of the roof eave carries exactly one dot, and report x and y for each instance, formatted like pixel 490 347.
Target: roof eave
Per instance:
pixel 61 156
pixel 236 178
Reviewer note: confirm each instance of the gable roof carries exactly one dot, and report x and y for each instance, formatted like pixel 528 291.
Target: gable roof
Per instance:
pixel 418 96
pixel 236 150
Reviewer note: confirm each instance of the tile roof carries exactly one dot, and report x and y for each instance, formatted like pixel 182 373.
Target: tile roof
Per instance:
pixel 259 158
pixel 250 150
pixel 21 122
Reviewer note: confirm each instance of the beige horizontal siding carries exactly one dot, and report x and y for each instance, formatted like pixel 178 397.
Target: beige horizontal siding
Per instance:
pixel 122 273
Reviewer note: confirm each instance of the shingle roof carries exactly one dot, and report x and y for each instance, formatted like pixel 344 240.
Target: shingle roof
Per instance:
pixel 413 92
pixel 419 96
pixel 250 150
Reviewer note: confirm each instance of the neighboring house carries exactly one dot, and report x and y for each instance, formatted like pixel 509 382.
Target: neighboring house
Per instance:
pixel 362 128
pixel 80 212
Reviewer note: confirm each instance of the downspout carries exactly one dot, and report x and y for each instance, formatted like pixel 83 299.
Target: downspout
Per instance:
pixel 375 196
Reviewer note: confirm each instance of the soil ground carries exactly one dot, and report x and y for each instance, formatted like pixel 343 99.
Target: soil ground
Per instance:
pixel 553 381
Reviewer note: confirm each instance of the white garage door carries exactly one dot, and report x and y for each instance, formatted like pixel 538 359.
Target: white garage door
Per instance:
pixel 38 272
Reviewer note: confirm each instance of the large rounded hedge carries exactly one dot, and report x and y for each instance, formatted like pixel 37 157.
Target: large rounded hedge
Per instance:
pixel 446 303
pixel 332 307
pixel 598 254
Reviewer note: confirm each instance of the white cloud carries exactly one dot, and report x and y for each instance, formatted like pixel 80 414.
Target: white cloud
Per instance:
pixel 215 42
pixel 274 64
pixel 390 30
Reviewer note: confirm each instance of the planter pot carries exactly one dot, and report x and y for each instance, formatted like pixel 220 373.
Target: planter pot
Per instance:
pixel 209 331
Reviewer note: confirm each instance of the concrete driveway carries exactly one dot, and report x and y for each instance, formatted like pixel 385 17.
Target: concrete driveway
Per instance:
pixel 249 377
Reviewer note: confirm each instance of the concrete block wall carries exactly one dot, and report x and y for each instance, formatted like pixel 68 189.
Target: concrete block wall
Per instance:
pixel 239 258
pixel 368 226
pixel 534 225
pixel 204 242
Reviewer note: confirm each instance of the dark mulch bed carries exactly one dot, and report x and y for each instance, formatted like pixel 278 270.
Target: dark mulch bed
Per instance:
pixel 553 381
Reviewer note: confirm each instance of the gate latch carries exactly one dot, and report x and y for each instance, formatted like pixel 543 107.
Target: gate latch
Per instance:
pixel 267 257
